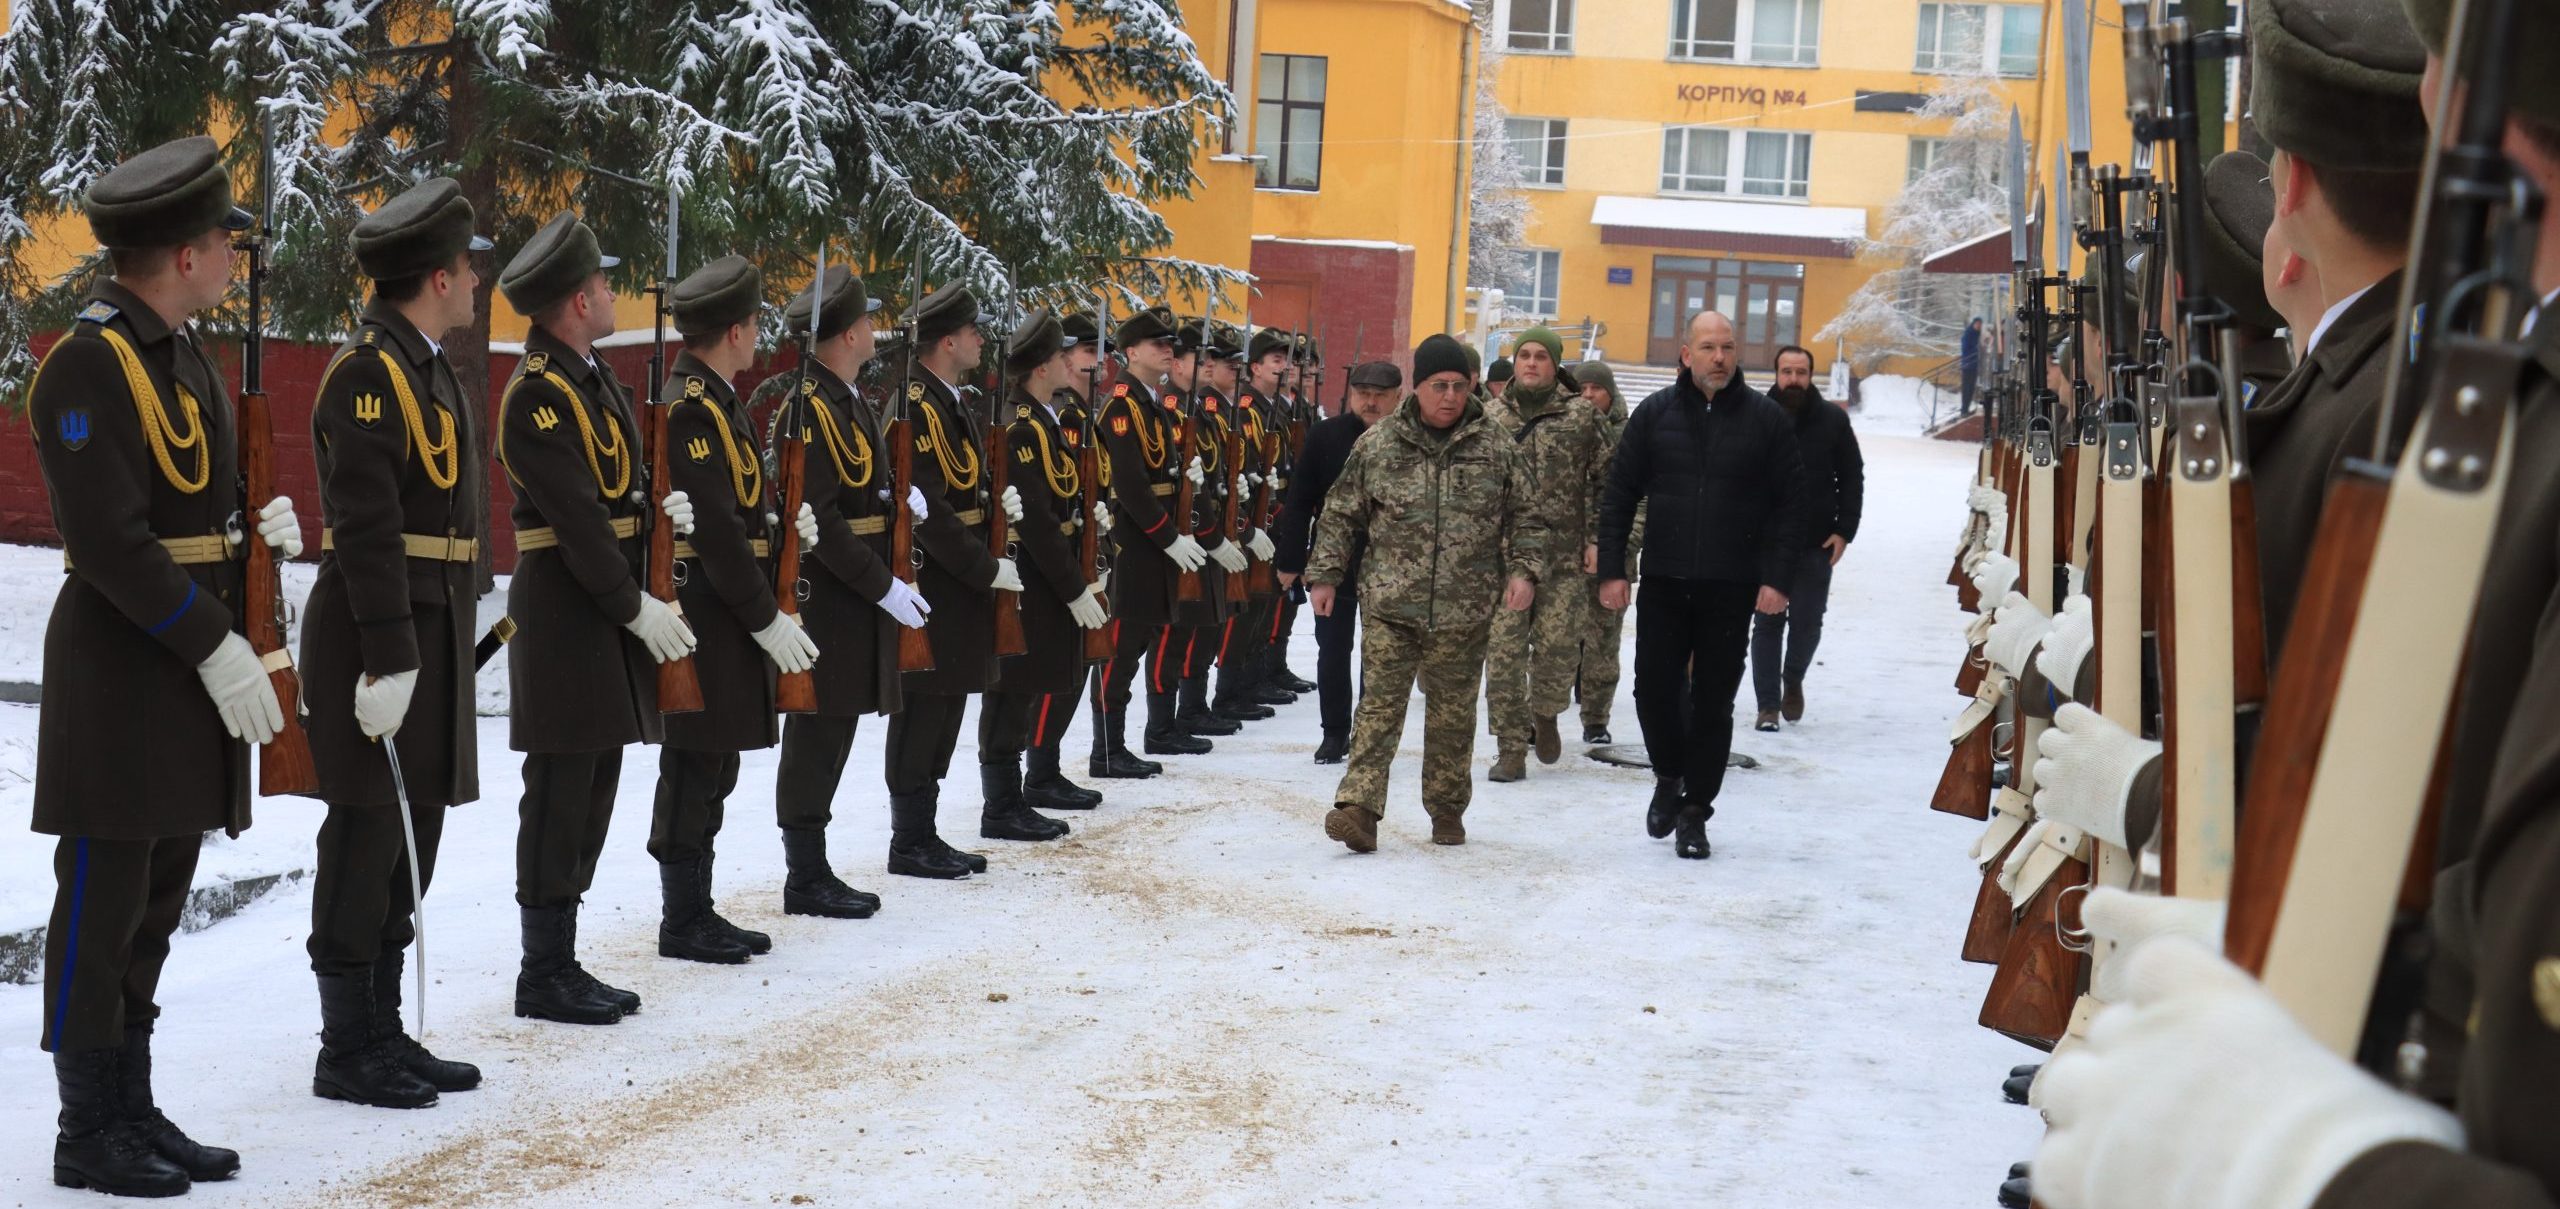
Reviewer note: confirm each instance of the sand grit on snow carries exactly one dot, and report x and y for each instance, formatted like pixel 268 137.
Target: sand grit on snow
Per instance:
pixel 1198 1000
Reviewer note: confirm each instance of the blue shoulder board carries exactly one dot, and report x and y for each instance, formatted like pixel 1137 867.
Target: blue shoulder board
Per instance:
pixel 99 310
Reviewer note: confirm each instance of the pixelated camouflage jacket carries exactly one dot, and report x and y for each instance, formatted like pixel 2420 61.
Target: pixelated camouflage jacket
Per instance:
pixel 1443 518
pixel 1567 450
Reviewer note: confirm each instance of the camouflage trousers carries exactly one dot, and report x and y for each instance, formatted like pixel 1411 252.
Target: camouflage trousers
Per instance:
pixel 1447 662
pixel 1595 683
pixel 1532 655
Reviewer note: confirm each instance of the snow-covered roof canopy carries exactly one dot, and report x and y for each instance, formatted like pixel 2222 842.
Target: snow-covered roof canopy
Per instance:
pixel 1732 226
pixel 1984 253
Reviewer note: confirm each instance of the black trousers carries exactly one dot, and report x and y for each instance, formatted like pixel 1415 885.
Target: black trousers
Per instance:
pixel 1012 723
pixel 1690 639
pixel 1051 719
pixel 1169 664
pixel 1336 690
pixel 1782 644
pixel 115 905
pixel 561 822
pixel 360 905
pixel 1284 622
pixel 922 737
pixel 693 798
pixel 1242 649
pixel 1129 643
pixel 814 750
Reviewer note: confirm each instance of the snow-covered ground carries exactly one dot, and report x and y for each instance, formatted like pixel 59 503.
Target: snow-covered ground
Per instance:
pixel 1899 406
pixel 1197 999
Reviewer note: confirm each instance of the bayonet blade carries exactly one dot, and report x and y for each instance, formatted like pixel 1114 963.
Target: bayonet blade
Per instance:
pixel 2075 63
pixel 2017 165
pixel 2054 217
pixel 675 198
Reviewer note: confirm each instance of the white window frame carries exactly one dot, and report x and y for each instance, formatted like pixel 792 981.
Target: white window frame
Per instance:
pixel 1549 41
pixel 1737 141
pixel 1541 267
pixel 1685 49
pixel 1928 147
pixel 1995 20
pixel 1547 171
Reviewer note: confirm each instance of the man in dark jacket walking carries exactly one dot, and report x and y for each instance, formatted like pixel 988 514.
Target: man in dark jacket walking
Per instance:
pixel 1782 644
pixel 1968 360
pixel 1716 465
pixel 1375 388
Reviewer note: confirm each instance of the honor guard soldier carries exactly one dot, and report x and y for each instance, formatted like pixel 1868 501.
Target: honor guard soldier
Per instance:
pixel 582 669
pixel 959 579
pixel 387 636
pixel 1058 603
pixel 1295 413
pixel 727 594
pixel 855 605
pixel 1044 784
pixel 135 435
pixel 1142 467
pixel 1246 672
pixel 1199 625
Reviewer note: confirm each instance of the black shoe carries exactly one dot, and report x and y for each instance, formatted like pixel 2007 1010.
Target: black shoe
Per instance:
pixel 2014 1088
pixel 1047 788
pixel 2016 1194
pixel 2025 1068
pixel 1663 813
pixel 439 1073
pixel 921 859
pixel 551 985
pixel 1165 736
pixel 203 1164
pixel 1241 712
pixel 1002 816
pixel 1292 681
pixel 1271 694
pixel 2017 1171
pixel 810 887
pixel 1335 747
pixel 977 862
pixel 757 942
pixel 1597 736
pixel 1111 759
pixel 685 929
pixel 1692 844
pixel 1205 722
pixel 354 1065
pixel 98 1147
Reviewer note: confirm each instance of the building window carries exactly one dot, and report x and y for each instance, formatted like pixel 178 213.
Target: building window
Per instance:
pixel 1541 25
pixel 1539 144
pixel 2001 39
pixel 1288 126
pixel 1532 290
pixel 1760 163
pixel 1782 32
pixel 1928 153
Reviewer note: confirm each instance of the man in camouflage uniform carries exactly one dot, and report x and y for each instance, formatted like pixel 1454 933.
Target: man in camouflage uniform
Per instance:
pixel 1595 681
pixel 1531 659
pixel 1439 494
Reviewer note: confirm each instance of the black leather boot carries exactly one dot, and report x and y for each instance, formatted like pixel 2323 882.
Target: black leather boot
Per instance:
pixel 354 1064
pixel 1692 841
pixel 1334 749
pixel 98 1146
pixel 203 1164
pixel 1166 737
pixel 1112 760
pixel 2016 1194
pixel 1235 700
pixel 685 929
pixel 550 985
pixel 592 986
pixel 1046 788
pixel 914 849
pixel 757 942
pixel 2021 1080
pixel 1004 816
pixel 1267 693
pixel 1195 716
pixel 439 1073
pixel 810 887
pixel 1663 813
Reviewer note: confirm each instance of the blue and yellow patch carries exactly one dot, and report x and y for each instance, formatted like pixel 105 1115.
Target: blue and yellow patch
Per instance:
pixel 98 311
pixel 72 426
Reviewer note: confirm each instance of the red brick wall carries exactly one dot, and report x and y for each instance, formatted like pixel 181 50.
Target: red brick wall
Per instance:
pixel 1356 299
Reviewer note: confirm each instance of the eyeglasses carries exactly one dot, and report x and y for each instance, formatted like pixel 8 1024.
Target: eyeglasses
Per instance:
pixel 1442 388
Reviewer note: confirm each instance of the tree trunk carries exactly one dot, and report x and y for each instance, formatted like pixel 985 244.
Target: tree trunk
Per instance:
pixel 466 107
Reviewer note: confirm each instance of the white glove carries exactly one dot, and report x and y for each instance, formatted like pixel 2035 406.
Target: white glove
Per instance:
pixel 904 603
pixel 1996 577
pixel 2015 631
pixel 1012 504
pixel 2068 643
pixel 679 509
pixel 2196 1089
pixel 790 646
pixel 1195 474
pixel 2129 919
pixel 382 703
pixel 1985 499
pixel 1227 556
pixel 807 524
pixel 1102 584
pixel 1995 537
pixel 915 501
pixel 1087 609
pixel 237 681
pixel 2085 770
pixel 1186 553
pixel 1241 488
pixel 1260 544
pixel 1101 518
pixel 1008 578
pixel 662 630
pixel 279 528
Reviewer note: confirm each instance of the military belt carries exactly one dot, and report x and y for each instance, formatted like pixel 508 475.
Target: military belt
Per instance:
pixel 974 516
pixel 868 526
pixel 188 551
pixel 1164 489
pixel 545 537
pixel 762 548
pixel 420 545
pixel 1068 528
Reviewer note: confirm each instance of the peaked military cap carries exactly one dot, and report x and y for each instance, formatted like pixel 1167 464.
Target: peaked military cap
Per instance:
pixel 2239 205
pixel 719 295
pixel 164 197
pixel 2530 94
pixel 419 231
pixel 553 264
pixel 1377 375
pixel 1225 342
pixel 1039 338
pixel 1307 348
pixel 1191 337
pixel 2336 82
pixel 1271 340
pixel 846 302
pixel 1153 323
pixel 1080 329
pixel 945 311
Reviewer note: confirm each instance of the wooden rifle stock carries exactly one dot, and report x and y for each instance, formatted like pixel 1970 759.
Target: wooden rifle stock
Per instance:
pixel 1995 918
pixel 284 766
pixel 1965 787
pixel 679 688
pixel 915 649
pixel 1267 578
pixel 1097 642
pixel 2039 978
pixel 1187 586
pixel 793 692
pixel 1009 638
pixel 1238 582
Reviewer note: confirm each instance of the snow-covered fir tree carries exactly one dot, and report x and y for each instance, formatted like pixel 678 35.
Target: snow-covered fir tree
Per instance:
pixel 1959 195
pixel 1498 213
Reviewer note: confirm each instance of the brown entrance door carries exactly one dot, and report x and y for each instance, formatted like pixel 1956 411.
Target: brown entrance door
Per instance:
pixel 1763 298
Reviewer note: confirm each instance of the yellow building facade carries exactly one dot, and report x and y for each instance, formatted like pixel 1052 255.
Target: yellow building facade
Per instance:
pixel 1733 153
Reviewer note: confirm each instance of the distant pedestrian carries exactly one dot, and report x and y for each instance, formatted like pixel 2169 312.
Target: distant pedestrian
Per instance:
pixel 1969 359
pixel 1782 644
pixel 1497 377
pixel 1375 388
pixel 1716 466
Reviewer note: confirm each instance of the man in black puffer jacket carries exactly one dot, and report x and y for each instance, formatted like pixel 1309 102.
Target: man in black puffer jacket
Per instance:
pixel 1717 467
